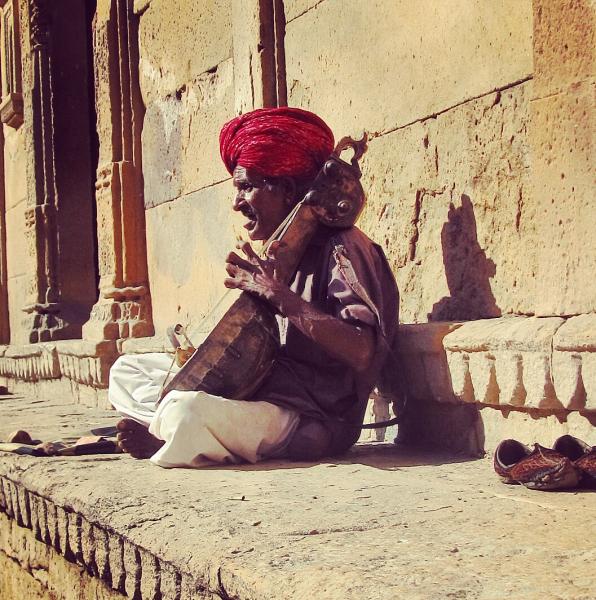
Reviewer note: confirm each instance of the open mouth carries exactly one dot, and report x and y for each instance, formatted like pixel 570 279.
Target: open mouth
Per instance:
pixel 251 218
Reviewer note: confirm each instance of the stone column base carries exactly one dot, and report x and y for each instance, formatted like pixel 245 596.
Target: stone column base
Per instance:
pixel 125 314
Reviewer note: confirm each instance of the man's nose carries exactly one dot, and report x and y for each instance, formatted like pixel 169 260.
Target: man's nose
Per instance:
pixel 238 200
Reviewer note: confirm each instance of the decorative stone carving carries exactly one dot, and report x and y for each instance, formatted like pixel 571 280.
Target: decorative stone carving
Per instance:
pixel 11 110
pixel 30 363
pixel 42 318
pixel 38 23
pixel 84 363
pixel 87 363
pixel 420 358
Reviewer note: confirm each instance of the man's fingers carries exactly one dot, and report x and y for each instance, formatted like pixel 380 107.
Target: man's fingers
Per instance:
pixel 234 259
pixel 233 283
pixel 239 272
pixel 248 250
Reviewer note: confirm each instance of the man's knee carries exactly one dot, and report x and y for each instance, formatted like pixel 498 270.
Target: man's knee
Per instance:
pixel 311 441
pixel 185 406
pixel 119 368
pixel 127 365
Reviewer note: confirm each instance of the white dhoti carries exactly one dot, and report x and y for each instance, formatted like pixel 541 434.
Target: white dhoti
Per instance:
pixel 198 428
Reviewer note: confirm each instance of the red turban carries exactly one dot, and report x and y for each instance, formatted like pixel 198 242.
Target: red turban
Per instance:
pixel 277 142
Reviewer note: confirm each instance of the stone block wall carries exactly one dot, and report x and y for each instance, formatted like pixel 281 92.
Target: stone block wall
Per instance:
pixel 443 91
pixel 187 76
pixel 561 205
pixel 18 260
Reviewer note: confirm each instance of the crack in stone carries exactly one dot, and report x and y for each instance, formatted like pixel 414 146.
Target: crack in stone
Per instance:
pixel 561 91
pixel 327 530
pixel 222 591
pixel 520 205
pixel 251 79
pixel 120 508
pixel 498 90
pixel 149 520
pixel 199 189
pixel 305 11
pixel 414 223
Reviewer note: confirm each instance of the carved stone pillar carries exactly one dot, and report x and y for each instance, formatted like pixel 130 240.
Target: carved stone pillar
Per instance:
pixel 43 320
pixel 258 29
pixel 124 306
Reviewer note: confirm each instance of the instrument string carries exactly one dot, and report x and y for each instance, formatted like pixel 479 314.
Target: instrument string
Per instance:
pixel 203 326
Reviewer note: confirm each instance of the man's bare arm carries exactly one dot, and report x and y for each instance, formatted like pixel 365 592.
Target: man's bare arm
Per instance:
pixel 351 344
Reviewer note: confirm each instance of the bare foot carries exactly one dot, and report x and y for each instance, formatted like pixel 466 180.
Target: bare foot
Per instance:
pixel 136 440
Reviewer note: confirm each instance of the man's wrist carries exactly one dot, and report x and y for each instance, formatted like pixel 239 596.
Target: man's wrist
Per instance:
pixel 280 297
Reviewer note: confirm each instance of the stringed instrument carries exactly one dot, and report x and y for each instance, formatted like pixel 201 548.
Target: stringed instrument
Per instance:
pixel 237 354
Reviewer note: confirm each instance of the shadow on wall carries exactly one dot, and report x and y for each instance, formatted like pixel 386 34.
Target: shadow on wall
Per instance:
pixel 467 269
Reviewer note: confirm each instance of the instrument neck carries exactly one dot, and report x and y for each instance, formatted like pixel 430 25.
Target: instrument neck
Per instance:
pixel 295 233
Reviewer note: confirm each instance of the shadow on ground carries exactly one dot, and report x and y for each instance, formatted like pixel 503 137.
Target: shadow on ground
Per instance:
pixel 384 456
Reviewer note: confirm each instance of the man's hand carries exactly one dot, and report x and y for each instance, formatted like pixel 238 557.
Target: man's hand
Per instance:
pixel 354 345
pixel 252 273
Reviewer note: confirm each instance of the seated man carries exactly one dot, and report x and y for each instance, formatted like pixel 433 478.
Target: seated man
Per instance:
pixel 336 321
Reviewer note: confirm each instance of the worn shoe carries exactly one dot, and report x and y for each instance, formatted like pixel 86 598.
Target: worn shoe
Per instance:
pixel 507 455
pixel 581 455
pixel 545 469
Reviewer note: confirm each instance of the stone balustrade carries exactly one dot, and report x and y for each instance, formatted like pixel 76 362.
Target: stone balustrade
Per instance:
pixel 31 362
pixel 546 363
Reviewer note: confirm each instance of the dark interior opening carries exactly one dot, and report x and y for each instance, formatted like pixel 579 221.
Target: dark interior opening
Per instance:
pixel 90 8
pixel 76 151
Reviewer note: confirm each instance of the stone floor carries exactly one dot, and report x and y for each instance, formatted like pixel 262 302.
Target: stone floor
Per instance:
pixel 384 522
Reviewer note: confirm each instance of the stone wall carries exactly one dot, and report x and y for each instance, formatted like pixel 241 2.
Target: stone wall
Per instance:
pixel 447 94
pixel 188 80
pixel 561 205
pixel 478 177
pixel 443 91
pixel 33 570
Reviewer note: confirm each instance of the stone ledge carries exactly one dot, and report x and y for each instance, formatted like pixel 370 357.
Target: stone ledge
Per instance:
pixel 157 343
pixel 30 569
pixel 352 529
pixel 87 362
pixel 574 362
pixel 106 555
pixel 422 360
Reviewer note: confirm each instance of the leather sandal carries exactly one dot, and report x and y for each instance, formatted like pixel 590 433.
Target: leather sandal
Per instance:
pixel 581 455
pixel 545 469
pixel 507 455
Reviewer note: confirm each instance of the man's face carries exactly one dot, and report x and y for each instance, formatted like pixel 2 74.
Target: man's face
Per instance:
pixel 265 205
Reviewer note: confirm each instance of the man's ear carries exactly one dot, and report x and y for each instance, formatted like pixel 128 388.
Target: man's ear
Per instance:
pixel 288 186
